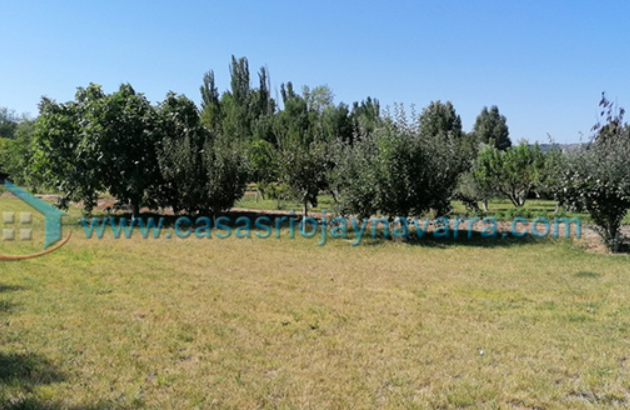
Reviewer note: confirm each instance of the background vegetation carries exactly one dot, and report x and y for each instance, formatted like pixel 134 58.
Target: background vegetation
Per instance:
pixel 368 161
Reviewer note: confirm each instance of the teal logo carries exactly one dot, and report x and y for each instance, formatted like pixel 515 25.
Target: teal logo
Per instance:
pixel 51 214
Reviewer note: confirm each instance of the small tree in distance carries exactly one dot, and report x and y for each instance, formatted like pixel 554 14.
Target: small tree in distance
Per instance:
pixel 513 173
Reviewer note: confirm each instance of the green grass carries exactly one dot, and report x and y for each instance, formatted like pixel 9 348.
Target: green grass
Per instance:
pixel 502 209
pixel 251 201
pixel 285 324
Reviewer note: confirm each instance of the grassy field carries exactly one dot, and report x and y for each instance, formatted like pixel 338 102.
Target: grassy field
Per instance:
pixel 285 324
pixel 502 209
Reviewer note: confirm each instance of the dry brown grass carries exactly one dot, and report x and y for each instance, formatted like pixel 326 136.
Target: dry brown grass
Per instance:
pixel 285 324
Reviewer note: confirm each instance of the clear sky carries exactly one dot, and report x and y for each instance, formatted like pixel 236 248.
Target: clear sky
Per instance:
pixel 544 63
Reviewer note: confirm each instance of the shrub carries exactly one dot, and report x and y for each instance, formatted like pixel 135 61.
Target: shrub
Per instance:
pixel 597 178
pixel 399 171
pixel 597 181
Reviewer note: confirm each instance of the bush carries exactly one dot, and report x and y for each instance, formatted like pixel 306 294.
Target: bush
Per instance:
pixel 399 171
pixel 597 178
pixel 514 173
pixel 202 172
pixel 597 181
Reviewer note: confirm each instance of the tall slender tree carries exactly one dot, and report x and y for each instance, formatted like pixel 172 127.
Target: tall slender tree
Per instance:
pixel 211 112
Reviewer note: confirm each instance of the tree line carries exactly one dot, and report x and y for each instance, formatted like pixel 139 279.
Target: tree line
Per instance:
pixel 370 160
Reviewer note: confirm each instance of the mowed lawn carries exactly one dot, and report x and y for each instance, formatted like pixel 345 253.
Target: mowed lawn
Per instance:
pixel 285 324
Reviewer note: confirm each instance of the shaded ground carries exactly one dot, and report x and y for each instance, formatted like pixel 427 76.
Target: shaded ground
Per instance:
pixel 589 239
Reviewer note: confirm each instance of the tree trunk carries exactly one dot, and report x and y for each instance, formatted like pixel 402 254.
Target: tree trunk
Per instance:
pixel 518 200
pixel 616 242
pixel 135 209
pixel 305 206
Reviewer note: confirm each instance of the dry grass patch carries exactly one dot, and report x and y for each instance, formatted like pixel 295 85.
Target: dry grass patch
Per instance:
pixel 284 324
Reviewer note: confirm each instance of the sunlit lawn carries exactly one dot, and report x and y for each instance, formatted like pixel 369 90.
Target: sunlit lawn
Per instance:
pixel 253 201
pixel 502 209
pixel 285 324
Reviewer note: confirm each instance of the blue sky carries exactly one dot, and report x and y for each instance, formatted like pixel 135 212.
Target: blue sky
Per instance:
pixel 544 63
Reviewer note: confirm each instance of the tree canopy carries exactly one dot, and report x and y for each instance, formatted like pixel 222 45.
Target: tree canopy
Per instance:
pixel 200 159
pixel 491 128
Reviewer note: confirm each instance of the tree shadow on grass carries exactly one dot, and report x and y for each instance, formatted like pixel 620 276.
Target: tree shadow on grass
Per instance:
pixel 32 404
pixel 168 220
pixel 27 370
pixel 21 373
pixel 6 306
pixel 475 240
pixel 97 226
pixel 9 288
pixel 282 220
